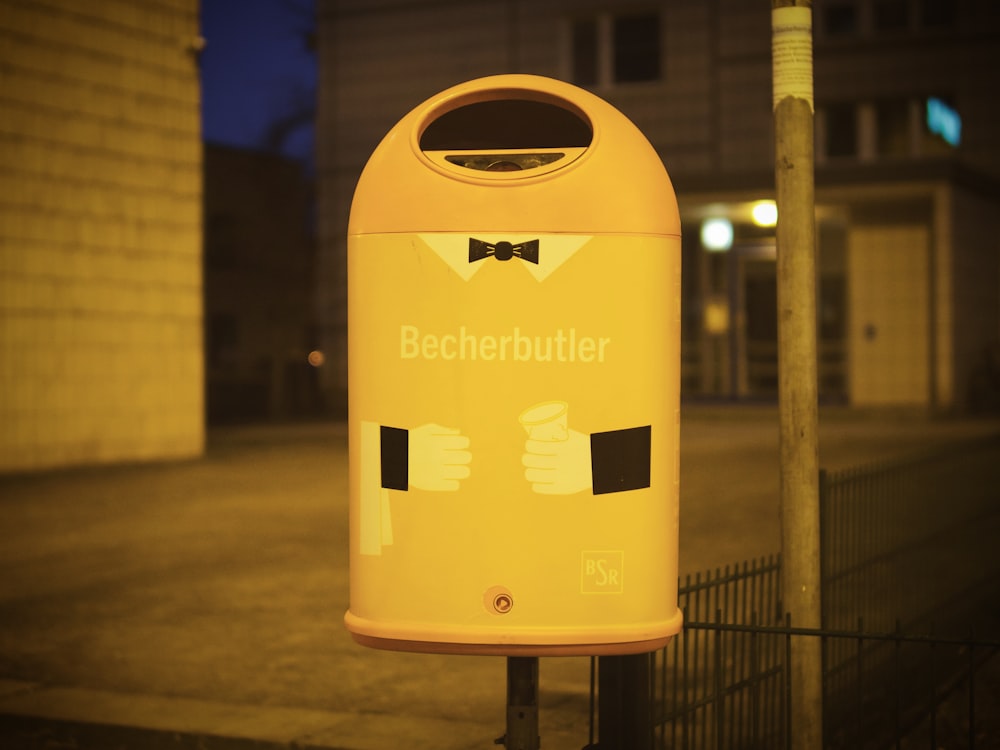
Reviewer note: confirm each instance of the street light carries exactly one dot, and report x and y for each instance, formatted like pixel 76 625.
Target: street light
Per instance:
pixel 717 235
pixel 764 213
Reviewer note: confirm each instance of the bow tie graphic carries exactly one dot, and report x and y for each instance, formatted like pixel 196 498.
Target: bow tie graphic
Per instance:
pixel 503 250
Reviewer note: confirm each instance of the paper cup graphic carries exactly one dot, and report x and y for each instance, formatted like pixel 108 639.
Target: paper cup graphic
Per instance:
pixel 546 421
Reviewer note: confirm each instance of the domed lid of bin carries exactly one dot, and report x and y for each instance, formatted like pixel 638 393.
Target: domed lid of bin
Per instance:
pixel 515 153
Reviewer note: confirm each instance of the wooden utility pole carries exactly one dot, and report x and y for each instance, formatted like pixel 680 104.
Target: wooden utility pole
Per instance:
pixel 792 57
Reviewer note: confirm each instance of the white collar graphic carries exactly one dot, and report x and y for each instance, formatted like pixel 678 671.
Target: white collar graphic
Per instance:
pixel 555 249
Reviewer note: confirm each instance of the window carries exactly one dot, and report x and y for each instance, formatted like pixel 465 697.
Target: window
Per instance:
pixel 841 130
pixel 840 19
pixel 888 128
pixel 942 126
pixel 221 240
pixel 892 15
pixel 892 118
pixel 223 335
pixel 607 49
pixel 938 13
pixel 637 48
pixel 585 70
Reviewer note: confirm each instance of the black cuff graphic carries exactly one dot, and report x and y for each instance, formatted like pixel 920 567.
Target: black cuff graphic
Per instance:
pixel 620 459
pixel 395 458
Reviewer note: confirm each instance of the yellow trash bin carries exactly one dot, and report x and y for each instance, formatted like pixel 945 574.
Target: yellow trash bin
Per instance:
pixel 514 360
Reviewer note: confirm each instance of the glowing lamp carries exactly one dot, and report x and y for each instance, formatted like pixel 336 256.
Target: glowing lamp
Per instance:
pixel 717 234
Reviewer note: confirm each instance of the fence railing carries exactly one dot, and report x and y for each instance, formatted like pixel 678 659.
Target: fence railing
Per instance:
pixel 907 546
pixel 912 540
pixel 911 581
pixel 712 686
pixel 722 683
pixel 931 697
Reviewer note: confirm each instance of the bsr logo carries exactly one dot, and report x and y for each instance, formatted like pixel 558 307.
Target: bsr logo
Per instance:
pixel 602 572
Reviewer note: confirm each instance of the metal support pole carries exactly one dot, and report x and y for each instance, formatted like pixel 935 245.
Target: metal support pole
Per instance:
pixel 624 714
pixel 522 704
pixel 791 22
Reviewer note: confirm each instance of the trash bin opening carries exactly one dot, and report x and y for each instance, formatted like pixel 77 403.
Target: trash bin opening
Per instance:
pixel 505 139
pixel 507 125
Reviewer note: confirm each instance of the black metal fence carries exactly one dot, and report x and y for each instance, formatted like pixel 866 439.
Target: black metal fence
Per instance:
pixel 907 547
pixel 938 692
pixel 722 681
pixel 911 619
pixel 911 541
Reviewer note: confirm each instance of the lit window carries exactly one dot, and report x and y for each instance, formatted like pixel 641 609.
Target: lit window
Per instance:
pixel 942 126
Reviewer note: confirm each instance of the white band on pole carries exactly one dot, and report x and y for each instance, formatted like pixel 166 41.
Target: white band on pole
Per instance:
pixel 792 54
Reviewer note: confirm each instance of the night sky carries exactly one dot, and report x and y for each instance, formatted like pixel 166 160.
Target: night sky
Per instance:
pixel 256 67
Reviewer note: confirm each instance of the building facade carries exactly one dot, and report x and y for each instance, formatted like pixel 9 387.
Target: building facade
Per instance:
pixel 907 168
pixel 100 233
pixel 260 360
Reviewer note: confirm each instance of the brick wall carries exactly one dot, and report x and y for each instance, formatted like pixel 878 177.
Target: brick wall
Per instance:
pixel 100 232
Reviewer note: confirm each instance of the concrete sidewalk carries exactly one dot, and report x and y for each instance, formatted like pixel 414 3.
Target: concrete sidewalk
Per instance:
pixel 200 604
pixel 33 715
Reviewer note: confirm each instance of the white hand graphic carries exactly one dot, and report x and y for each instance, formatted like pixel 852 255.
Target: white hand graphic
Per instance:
pixel 558 467
pixel 438 458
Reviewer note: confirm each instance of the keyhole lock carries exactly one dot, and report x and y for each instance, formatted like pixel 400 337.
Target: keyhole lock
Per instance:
pixel 498 600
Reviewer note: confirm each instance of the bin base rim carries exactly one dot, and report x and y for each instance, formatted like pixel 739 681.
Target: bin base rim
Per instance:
pixel 619 641
pixel 510 649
